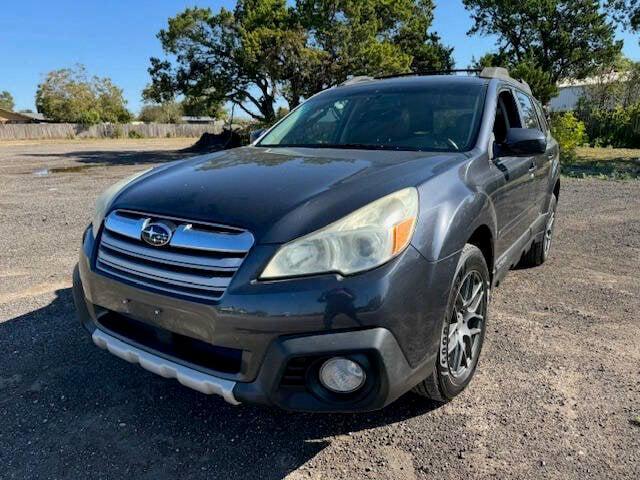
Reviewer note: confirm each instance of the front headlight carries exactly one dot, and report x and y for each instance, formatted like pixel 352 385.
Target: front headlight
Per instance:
pixel 104 200
pixel 365 239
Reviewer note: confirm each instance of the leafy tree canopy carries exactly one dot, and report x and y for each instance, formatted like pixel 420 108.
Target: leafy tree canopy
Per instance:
pixel 168 112
pixel 265 49
pixel 546 41
pixel 70 95
pixel 203 107
pixel 6 101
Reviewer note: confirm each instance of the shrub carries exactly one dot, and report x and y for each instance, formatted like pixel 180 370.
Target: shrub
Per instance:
pixel 135 134
pixel 569 132
pixel 117 131
pixel 169 112
pixel 617 127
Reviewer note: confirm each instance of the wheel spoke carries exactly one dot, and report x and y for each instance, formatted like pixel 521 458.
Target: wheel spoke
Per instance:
pixel 476 298
pixel 453 330
pixel 474 331
pixel 465 290
pixel 460 302
pixel 453 343
pixel 457 362
pixel 454 357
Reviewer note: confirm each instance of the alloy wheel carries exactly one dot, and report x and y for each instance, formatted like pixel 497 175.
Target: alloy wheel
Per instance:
pixel 548 232
pixel 465 327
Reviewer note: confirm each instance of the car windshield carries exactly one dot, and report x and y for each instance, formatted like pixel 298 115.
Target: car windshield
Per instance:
pixel 442 117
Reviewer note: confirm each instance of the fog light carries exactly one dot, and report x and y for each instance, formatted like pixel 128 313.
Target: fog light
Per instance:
pixel 341 375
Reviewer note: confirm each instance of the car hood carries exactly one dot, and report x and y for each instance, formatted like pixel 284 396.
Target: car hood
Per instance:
pixel 278 193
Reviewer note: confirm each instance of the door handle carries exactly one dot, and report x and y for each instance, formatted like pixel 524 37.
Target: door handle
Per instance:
pixel 551 155
pixel 532 167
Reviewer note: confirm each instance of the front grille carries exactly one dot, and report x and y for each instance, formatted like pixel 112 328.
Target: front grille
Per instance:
pixel 198 262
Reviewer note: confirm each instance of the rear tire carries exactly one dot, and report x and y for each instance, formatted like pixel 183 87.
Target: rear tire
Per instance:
pixel 539 251
pixel 463 329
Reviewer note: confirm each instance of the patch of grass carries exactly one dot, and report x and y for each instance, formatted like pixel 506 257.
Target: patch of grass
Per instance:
pixel 606 163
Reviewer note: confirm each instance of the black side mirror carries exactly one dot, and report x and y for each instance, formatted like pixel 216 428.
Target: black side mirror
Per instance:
pixel 255 134
pixel 524 141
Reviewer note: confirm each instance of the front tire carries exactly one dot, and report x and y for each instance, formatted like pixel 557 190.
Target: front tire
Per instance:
pixel 463 329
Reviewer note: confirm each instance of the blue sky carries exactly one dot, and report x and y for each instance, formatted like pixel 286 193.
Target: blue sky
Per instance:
pixel 116 39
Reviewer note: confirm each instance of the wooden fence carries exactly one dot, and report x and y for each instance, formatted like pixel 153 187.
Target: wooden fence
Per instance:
pixel 42 131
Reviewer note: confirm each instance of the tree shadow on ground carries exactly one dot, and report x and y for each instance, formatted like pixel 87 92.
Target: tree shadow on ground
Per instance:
pixel 68 408
pixel 118 157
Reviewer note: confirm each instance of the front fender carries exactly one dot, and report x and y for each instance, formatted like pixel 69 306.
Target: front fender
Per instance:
pixel 450 212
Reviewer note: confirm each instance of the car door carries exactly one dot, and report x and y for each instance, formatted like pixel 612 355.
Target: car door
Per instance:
pixel 541 162
pixel 514 195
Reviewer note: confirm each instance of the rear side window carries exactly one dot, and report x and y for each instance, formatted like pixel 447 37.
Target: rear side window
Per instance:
pixel 529 116
pixel 542 117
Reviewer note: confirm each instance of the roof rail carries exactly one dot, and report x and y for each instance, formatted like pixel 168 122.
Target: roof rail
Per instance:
pixel 487 72
pixel 503 73
pixel 429 72
pixel 358 79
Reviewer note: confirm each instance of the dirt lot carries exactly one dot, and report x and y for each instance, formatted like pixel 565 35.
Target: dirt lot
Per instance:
pixel 557 394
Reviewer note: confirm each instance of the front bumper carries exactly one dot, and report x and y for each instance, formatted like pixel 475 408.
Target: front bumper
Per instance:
pixel 389 318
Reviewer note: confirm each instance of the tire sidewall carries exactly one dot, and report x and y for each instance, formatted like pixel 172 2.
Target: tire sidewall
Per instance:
pixel 470 259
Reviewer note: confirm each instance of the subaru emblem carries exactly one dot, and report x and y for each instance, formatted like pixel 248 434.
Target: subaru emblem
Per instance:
pixel 156 234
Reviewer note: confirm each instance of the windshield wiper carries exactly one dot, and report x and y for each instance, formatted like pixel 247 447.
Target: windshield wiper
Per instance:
pixel 354 146
pixel 368 146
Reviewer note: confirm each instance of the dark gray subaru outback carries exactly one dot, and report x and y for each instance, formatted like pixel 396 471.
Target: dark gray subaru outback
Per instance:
pixel 342 259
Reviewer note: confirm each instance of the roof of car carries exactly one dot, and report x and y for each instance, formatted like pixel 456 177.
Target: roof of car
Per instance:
pixel 410 80
pixel 404 83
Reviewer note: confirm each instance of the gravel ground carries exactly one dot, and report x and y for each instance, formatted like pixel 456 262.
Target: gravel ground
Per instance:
pixel 557 394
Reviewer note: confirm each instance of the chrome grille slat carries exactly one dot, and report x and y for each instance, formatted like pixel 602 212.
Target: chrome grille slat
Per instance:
pixel 175 278
pixel 144 283
pixel 171 258
pixel 200 264
pixel 125 226
pixel 186 236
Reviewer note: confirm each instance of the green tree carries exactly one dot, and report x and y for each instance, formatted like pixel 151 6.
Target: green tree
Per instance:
pixel 265 49
pixel 203 107
pixel 546 41
pixel 70 95
pixel 6 101
pixel 366 37
pixel 168 112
